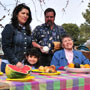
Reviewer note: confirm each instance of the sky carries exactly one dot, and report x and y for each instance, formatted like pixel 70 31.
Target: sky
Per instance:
pixel 73 11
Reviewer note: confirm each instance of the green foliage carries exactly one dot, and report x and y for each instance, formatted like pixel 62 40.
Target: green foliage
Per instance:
pixel 85 27
pixel 80 41
pixel 84 31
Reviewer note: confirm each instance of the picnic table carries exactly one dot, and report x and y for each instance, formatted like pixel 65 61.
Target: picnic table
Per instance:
pixel 64 81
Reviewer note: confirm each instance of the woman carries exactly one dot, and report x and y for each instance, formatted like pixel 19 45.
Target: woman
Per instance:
pixel 68 55
pixel 16 37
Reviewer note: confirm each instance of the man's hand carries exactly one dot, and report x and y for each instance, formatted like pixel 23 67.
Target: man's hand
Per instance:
pixel 41 49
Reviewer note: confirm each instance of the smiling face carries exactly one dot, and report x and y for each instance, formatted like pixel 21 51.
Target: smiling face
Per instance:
pixel 32 59
pixel 49 18
pixel 67 43
pixel 23 16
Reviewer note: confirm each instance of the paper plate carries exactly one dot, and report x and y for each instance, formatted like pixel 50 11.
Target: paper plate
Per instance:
pixel 78 70
pixel 36 70
pixel 1 73
pixel 49 74
pixel 21 79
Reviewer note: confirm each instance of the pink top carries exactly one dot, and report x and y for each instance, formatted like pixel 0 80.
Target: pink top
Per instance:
pixel 69 55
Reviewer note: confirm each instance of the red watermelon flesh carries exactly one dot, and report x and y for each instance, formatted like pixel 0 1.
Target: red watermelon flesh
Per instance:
pixel 25 69
pixel 13 71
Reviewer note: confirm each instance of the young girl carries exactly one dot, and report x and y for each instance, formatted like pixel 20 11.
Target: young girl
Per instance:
pixel 33 58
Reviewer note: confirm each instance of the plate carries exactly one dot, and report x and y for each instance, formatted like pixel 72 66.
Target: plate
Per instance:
pixel 1 73
pixel 21 79
pixel 37 71
pixel 50 74
pixel 78 70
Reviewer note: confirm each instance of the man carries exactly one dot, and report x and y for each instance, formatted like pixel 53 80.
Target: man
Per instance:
pixel 46 34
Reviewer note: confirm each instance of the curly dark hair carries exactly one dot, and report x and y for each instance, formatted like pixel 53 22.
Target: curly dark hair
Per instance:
pixel 14 19
pixel 34 52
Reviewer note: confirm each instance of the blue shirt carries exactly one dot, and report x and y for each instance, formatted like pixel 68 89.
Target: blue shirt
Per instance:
pixel 59 58
pixel 44 36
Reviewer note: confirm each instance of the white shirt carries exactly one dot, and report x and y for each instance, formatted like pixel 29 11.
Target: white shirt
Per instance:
pixel 69 55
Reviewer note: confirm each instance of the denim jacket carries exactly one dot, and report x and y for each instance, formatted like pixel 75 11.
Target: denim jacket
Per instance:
pixel 15 43
pixel 59 58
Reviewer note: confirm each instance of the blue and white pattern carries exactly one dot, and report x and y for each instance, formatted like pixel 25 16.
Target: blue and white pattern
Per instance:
pixel 45 36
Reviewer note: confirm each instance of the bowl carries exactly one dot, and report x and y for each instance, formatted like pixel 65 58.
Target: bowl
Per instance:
pixel 46 48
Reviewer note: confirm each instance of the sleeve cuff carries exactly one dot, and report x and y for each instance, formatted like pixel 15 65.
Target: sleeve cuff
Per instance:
pixel 15 61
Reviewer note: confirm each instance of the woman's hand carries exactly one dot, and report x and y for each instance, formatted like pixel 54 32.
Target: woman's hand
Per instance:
pixel 19 65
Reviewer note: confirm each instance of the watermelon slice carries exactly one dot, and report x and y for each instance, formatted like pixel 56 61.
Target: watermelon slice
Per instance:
pixel 14 72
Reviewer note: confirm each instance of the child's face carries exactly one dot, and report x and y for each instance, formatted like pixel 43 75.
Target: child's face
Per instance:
pixel 32 59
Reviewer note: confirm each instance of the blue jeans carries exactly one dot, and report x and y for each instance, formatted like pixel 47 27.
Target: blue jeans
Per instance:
pixel 3 65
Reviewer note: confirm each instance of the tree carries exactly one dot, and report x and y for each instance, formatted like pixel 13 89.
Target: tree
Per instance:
pixel 72 30
pixel 86 15
pixel 85 27
pixel 85 31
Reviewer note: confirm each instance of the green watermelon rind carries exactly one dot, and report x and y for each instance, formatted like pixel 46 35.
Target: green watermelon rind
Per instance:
pixel 14 74
pixel 17 75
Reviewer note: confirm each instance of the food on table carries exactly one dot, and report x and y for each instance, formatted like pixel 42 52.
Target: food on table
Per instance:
pixel 81 66
pixel 71 65
pixel 87 66
pixel 52 68
pixel 13 71
pixel 48 69
pixel 76 65
pixel 41 68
